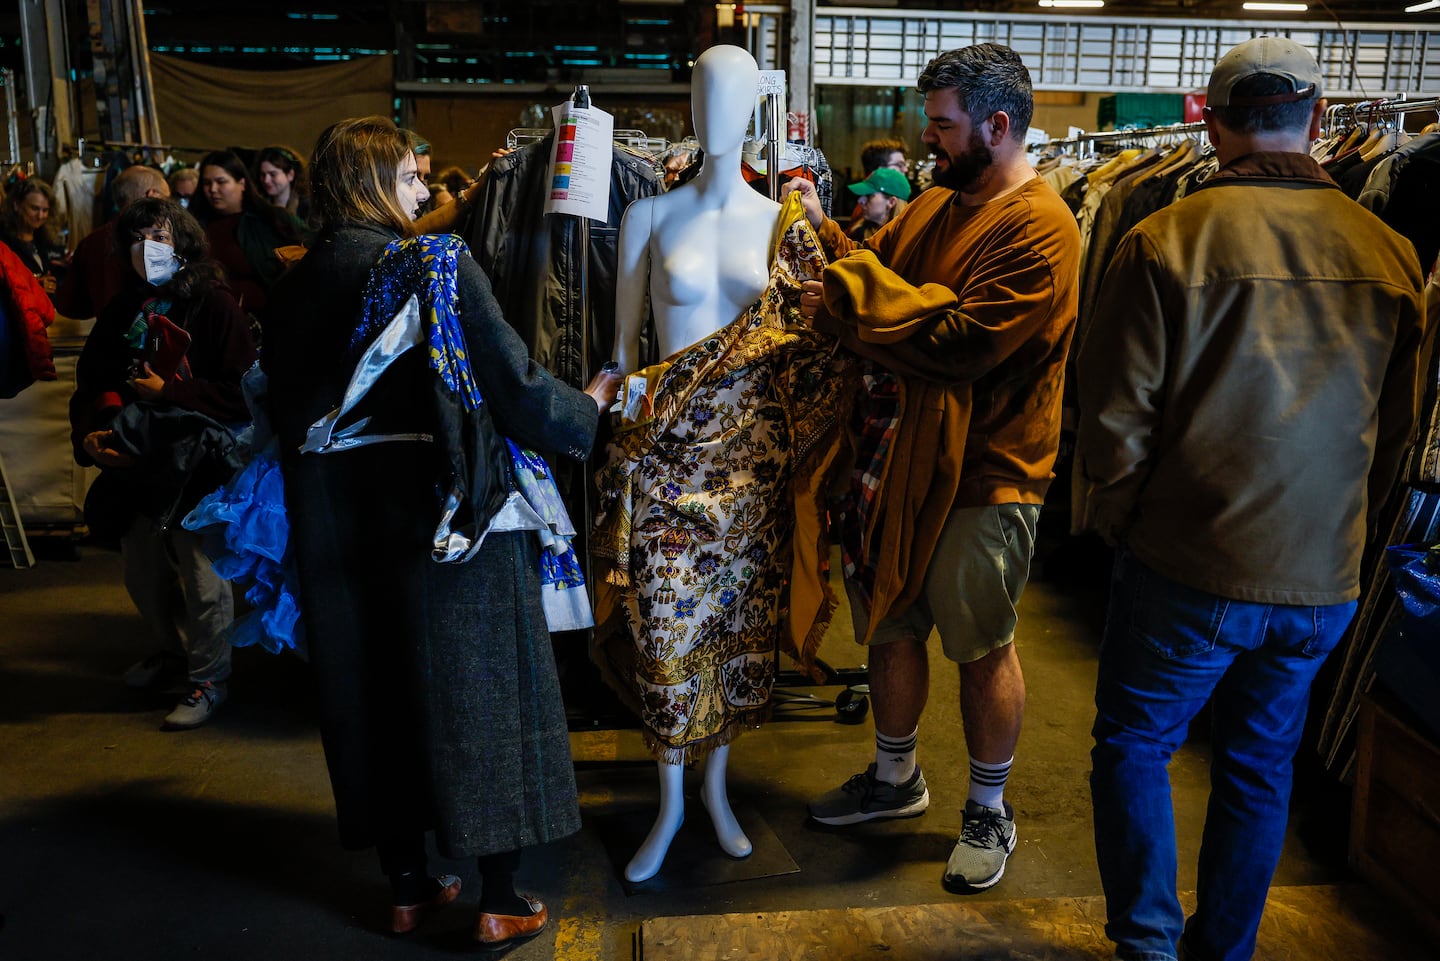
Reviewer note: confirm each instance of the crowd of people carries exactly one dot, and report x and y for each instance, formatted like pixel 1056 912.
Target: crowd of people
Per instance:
pixel 1252 373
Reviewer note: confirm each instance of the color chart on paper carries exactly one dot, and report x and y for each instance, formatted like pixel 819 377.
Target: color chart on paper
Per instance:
pixel 580 162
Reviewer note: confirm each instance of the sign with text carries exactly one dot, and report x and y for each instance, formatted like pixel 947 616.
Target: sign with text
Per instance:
pixel 580 162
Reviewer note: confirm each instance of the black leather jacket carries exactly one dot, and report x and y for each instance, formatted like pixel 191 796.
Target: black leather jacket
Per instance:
pixel 533 261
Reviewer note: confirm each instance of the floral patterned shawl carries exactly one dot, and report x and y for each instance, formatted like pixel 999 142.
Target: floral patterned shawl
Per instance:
pixel 709 549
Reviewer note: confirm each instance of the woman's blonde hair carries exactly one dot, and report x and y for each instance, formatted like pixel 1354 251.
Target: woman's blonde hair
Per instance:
pixel 353 174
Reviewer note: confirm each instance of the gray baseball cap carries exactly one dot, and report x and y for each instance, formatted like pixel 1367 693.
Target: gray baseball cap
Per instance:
pixel 1279 56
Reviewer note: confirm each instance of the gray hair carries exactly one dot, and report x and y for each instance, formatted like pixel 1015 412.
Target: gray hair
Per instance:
pixel 135 181
pixel 987 78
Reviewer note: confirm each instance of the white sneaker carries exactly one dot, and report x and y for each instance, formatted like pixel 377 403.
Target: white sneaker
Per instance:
pixel 197 706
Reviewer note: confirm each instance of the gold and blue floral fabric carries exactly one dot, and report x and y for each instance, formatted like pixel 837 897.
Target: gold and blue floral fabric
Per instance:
pixel 695 540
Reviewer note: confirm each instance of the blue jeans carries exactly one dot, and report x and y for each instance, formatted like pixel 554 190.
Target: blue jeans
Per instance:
pixel 1168 649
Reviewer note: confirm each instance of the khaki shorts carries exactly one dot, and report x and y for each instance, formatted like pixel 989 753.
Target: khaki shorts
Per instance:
pixel 975 579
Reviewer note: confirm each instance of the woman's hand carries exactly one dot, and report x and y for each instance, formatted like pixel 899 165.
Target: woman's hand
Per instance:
pixel 98 445
pixel 149 387
pixel 47 283
pixel 605 388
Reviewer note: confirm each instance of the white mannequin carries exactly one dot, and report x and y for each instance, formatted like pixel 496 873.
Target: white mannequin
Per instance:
pixel 702 252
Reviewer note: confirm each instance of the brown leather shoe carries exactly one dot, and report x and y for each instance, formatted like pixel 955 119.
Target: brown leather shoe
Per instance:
pixel 405 918
pixel 496 931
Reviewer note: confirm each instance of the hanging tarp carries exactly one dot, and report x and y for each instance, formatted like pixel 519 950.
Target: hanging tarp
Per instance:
pixel 204 106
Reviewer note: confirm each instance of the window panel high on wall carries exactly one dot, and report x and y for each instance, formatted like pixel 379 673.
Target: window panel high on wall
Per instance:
pixel 860 46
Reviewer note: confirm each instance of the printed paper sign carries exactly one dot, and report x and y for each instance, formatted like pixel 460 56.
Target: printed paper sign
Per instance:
pixel 580 162
pixel 772 81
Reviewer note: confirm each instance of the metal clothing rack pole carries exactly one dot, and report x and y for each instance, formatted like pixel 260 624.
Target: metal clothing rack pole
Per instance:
pixel 774 154
pixel 1139 133
pixel 7 78
pixel 581 99
pixel 1380 109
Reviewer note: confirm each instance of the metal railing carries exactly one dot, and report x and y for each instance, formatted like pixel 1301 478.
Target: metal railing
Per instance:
pixel 868 47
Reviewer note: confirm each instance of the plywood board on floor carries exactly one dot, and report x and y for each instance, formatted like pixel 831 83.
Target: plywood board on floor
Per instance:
pixel 1301 924
pixel 694 859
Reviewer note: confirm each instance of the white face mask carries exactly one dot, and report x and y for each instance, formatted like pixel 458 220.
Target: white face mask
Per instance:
pixel 160 262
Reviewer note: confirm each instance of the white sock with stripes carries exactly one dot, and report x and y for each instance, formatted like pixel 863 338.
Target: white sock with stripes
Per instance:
pixel 895 757
pixel 987 782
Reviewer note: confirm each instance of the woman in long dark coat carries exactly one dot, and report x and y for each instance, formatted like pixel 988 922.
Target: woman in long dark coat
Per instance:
pixel 441 706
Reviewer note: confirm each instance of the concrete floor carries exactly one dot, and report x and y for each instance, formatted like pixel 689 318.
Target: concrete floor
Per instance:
pixel 120 841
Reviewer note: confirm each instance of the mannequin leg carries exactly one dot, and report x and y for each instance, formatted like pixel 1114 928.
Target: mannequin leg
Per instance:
pixel 651 855
pixel 727 830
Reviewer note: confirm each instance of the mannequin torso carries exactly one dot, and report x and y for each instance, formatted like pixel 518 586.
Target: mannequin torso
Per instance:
pixel 705 259
pixel 701 251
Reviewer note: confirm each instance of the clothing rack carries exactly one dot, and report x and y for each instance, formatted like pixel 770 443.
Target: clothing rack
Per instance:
pixel 1123 136
pixel 635 139
pixel 1353 114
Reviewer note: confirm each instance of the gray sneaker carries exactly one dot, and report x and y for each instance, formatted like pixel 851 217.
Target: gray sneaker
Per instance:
pixel 987 836
pixel 197 706
pixel 865 798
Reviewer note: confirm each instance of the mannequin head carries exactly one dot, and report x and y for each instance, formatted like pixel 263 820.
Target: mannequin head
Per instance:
pixel 724 86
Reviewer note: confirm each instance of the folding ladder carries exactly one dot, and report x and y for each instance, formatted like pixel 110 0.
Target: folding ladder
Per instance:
pixel 20 556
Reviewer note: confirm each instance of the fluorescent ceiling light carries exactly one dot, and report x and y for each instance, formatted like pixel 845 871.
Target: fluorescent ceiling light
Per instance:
pixel 1278 7
pixel 1081 3
pixel 1419 7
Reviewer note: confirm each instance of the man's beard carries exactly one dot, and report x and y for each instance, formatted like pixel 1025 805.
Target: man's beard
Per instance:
pixel 965 173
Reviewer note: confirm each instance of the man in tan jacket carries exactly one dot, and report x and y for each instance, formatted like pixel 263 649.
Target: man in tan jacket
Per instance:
pixel 1246 394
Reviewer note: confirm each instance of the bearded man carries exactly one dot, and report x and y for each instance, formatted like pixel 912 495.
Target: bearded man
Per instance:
pixel 962 310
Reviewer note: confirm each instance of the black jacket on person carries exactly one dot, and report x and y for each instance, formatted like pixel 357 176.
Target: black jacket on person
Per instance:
pixel 173 473
pixel 440 704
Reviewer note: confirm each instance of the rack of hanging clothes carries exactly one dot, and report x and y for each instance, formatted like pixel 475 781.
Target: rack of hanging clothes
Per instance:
pixel 1112 180
pixel 77 189
pixel 554 279
pixel 1368 152
pixel 770 159
pixel 1396 175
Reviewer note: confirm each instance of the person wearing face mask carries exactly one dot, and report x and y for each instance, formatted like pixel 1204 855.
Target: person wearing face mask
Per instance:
pixel 97 272
pixel 439 697
pixel 135 364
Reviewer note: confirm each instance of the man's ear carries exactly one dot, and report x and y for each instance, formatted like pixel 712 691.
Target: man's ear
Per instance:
pixel 997 128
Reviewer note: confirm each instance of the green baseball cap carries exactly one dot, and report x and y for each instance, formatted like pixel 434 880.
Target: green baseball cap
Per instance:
pixel 885 180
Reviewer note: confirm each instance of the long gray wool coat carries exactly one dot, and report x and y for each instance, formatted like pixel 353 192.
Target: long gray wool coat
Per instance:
pixel 440 703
